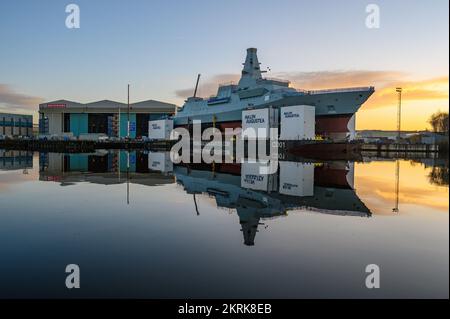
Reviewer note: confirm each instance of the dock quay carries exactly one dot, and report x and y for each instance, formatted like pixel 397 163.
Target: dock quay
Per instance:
pixel 402 148
pixel 315 149
pixel 77 146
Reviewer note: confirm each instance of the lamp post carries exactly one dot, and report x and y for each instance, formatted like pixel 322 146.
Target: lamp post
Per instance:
pixel 399 112
pixel 397 163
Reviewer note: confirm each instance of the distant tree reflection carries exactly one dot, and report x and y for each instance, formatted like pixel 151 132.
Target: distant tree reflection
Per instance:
pixel 439 175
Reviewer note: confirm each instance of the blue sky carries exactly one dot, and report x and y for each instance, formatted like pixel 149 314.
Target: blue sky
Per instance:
pixel 159 46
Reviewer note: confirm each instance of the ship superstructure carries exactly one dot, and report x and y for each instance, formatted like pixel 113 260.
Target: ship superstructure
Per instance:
pixel 334 108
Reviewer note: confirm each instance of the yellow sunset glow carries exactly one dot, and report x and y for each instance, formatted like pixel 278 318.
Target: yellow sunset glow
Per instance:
pixel 420 99
pixel 375 185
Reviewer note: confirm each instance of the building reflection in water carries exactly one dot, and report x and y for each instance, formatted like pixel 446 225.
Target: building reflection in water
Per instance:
pixel 15 160
pixel 320 187
pixel 101 167
pixel 325 187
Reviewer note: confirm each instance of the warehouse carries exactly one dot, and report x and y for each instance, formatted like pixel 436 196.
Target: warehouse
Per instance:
pixel 16 124
pixel 15 160
pixel 107 117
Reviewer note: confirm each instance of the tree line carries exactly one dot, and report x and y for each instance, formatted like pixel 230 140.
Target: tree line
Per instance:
pixel 439 122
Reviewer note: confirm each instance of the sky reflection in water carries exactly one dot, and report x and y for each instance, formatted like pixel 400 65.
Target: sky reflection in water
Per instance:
pixel 196 232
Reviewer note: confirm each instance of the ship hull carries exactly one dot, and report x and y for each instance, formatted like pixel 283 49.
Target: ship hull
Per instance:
pixel 334 112
pixel 334 127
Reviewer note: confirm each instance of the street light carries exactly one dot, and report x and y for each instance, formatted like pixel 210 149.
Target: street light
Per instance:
pixel 399 112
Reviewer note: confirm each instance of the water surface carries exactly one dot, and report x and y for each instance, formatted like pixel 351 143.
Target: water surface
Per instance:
pixel 140 227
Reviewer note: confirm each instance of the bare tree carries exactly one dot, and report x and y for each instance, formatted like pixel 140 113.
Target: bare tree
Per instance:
pixel 439 175
pixel 439 122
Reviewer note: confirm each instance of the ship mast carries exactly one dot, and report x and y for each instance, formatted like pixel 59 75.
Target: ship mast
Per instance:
pixel 251 71
pixel 196 85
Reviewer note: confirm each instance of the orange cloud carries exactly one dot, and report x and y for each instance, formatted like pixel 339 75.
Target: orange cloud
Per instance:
pixel 339 78
pixel 385 83
pixel 208 87
pixel 420 90
pixel 12 101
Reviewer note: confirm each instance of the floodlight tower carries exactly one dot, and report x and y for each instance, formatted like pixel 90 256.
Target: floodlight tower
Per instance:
pixel 399 112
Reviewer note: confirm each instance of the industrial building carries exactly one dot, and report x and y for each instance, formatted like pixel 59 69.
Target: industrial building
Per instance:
pixel 15 160
pixel 101 167
pixel 107 117
pixel 16 124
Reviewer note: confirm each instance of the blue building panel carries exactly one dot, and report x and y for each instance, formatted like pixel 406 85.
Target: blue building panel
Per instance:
pixel 124 122
pixel 16 124
pixel 78 123
pixel 124 157
pixel 78 162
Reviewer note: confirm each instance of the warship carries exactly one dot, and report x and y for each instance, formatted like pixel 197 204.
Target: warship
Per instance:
pixel 330 191
pixel 334 108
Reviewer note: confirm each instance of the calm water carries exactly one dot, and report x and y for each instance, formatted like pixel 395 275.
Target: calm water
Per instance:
pixel 223 231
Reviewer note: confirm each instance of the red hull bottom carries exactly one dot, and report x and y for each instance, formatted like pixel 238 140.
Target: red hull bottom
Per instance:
pixel 332 127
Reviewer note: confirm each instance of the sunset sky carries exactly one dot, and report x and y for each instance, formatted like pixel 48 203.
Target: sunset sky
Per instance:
pixel 160 46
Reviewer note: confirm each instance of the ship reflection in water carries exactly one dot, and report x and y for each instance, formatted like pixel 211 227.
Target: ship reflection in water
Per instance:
pixel 325 188
pixel 140 226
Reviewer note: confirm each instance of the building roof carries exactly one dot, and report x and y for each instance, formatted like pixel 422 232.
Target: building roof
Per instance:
pixel 108 104
pixel 15 114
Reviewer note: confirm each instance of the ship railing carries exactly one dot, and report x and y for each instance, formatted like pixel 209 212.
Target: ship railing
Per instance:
pixel 227 83
pixel 340 90
pixel 277 80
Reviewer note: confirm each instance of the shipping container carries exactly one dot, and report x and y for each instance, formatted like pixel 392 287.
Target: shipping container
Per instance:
pixel 252 178
pixel 296 179
pixel 256 123
pixel 160 161
pixel 160 129
pixel 297 122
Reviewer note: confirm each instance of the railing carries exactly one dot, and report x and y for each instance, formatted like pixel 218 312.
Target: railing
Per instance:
pixel 277 80
pixel 227 83
pixel 340 90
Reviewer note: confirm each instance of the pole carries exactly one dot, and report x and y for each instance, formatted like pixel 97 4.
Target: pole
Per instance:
pixel 196 207
pixel 128 177
pixel 397 185
pixel 118 163
pixel 399 112
pixel 397 164
pixel 196 85
pixel 118 125
pixel 128 102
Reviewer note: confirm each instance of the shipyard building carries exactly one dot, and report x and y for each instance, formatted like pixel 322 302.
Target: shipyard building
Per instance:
pixel 15 160
pixel 16 124
pixel 107 117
